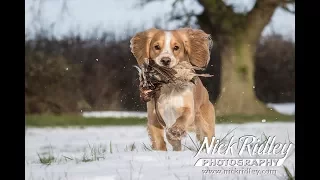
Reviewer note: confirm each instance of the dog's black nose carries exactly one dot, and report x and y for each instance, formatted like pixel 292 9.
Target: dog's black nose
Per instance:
pixel 165 61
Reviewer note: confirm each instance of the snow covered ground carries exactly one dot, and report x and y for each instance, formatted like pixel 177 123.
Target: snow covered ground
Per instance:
pixel 117 114
pixel 284 108
pixel 121 153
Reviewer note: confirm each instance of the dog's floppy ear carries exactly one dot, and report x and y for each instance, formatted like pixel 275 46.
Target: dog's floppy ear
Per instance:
pixel 198 46
pixel 140 44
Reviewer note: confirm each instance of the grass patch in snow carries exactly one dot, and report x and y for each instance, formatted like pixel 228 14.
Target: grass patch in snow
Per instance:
pixel 289 175
pixel 91 153
pixel 78 120
pixel 243 118
pixel 46 159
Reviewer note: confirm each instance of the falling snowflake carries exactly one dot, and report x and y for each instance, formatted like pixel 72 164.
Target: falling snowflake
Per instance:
pixel 67 69
pixel 253 87
pixel 97 59
pixel 263 120
pixel 81 110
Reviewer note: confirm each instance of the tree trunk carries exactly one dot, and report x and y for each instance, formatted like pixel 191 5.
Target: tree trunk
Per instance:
pixel 237 94
pixel 238 35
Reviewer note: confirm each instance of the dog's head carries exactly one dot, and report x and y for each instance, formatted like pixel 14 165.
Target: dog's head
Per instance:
pixel 168 48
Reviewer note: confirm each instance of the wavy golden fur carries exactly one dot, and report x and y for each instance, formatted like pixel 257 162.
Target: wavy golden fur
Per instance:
pixel 183 108
pixel 197 45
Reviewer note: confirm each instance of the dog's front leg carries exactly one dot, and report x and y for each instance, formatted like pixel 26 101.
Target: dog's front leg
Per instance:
pixel 178 129
pixel 155 130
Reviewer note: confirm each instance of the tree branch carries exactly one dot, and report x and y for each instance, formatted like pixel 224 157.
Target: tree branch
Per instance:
pixel 184 15
pixel 221 17
pixel 214 6
pixel 258 18
pixel 142 3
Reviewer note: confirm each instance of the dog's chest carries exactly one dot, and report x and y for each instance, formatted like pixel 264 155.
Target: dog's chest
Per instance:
pixel 170 105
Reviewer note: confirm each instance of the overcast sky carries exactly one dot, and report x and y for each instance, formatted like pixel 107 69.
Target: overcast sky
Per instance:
pixel 116 15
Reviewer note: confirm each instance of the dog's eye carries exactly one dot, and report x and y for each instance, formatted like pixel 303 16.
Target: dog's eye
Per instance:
pixel 176 48
pixel 157 47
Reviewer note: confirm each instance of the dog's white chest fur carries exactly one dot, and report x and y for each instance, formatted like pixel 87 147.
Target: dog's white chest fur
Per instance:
pixel 170 103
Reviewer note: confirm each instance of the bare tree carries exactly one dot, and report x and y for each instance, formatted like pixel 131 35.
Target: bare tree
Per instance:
pixel 236 35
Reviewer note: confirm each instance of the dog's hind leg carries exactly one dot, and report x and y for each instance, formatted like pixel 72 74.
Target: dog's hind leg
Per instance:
pixel 205 122
pixel 156 135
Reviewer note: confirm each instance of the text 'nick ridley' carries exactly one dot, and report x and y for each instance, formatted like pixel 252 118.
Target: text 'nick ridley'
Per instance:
pixel 245 151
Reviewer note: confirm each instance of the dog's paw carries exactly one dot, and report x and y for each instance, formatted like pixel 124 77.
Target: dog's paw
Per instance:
pixel 176 132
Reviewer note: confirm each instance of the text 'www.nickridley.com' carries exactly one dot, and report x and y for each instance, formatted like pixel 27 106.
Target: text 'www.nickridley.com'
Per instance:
pixel 240 171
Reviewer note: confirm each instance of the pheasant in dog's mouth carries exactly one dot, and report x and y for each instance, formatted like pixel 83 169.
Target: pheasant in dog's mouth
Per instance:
pixel 152 77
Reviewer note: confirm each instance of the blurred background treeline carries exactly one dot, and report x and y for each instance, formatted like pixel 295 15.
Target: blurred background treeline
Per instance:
pixel 76 73
pixel 88 73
